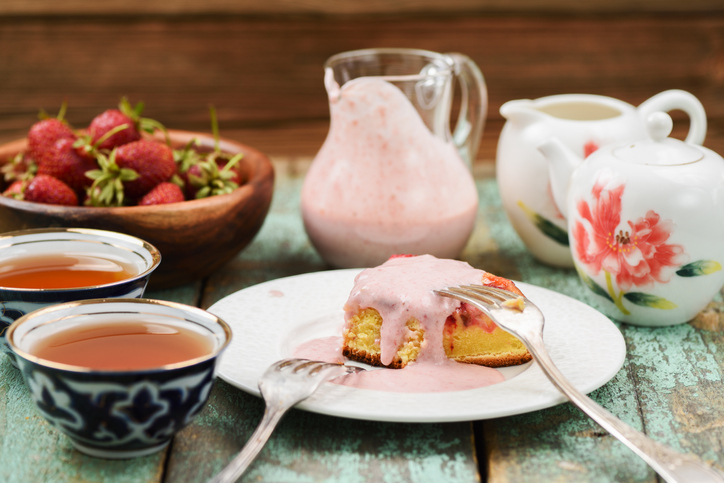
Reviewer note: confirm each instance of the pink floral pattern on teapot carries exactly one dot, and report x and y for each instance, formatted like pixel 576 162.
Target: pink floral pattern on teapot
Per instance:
pixel 635 257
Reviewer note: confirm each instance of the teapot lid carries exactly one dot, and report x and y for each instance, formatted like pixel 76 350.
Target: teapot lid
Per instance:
pixel 660 150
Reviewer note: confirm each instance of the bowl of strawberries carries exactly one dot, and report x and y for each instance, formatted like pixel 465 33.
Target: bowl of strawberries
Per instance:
pixel 199 198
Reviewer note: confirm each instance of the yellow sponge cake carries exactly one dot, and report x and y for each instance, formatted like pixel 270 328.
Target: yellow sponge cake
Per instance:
pixel 393 317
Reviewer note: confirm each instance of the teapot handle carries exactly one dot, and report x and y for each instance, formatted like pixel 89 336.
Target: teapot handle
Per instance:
pixel 473 107
pixel 678 99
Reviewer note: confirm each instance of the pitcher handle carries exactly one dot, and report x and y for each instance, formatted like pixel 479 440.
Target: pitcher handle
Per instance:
pixel 678 99
pixel 473 107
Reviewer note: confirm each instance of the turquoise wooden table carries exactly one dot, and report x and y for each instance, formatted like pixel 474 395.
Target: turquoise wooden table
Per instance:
pixel 670 387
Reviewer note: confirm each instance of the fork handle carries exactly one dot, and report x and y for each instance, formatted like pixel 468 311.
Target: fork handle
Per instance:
pixel 672 466
pixel 251 449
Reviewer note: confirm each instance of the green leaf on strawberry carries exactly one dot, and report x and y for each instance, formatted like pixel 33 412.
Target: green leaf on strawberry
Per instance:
pixel 85 142
pixel 214 181
pixel 187 156
pixel 20 168
pixel 107 188
pixel 144 124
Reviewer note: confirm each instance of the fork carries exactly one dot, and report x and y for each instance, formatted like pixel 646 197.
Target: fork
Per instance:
pixel 523 319
pixel 284 384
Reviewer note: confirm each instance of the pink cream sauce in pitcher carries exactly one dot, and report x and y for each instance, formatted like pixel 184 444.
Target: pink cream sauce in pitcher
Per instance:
pixel 383 183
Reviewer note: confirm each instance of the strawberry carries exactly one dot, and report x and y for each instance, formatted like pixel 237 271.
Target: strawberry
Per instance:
pixel 151 160
pixel 206 179
pixel 68 165
pixel 234 174
pixel 212 174
pixel 193 172
pixel 130 171
pixel 125 115
pixel 16 189
pixel 108 120
pixel 44 134
pixel 21 167
pixel 163 193
pixel 46 189
pixel 185 159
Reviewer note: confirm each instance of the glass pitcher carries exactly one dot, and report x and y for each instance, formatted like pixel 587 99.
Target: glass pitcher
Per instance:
pixel 390 177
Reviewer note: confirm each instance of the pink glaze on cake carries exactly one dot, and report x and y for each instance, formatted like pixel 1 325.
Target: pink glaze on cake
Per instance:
pixel 382 183
pixel 401 289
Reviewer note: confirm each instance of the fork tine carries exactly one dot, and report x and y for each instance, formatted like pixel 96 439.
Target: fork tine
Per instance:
pixel 323 370
pixel 284 363
pixel 311 368
pixel 471 296
pixel 474 292
pixel 480 301
pixel 498 293
pixel 303 365
pixel 487 299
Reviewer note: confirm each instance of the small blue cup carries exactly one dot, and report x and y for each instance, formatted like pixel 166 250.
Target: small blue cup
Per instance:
pixel 141 257
pixel 118 414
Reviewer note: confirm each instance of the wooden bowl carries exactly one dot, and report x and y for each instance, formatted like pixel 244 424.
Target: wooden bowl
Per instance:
pixel 194 237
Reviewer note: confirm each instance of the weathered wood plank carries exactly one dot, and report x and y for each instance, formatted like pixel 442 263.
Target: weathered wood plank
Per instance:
pixel 86 7
pixel 678 375
pixel 341 450
pixel 562 444
pixel 264 74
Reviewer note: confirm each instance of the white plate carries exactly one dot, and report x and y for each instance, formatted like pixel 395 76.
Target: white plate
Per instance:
pixel 270 319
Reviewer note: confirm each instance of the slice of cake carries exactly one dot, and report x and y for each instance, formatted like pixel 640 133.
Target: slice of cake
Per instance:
pixel 393 317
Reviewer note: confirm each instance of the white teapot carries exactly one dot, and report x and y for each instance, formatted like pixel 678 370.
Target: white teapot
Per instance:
pixel 645 223
pixel 583 122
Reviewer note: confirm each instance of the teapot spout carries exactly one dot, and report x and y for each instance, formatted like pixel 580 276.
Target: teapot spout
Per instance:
pixel 521 112
pixel 561 164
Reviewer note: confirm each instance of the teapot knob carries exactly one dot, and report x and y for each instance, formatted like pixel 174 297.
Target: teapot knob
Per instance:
pixel 659 149
pixel 659 125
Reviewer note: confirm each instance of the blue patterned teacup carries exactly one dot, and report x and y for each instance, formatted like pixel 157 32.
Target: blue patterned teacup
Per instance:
pixel 140 258
pixel 118 413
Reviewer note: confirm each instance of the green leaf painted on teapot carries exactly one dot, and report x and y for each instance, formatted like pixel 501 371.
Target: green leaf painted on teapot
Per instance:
pixel 547 227
pixel 648 300
pixel 700 267
pixel 593 286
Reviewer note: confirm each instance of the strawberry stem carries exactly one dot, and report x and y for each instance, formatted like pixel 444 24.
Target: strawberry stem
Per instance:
pixel 63 107
pixel 214 128
pixel 142 123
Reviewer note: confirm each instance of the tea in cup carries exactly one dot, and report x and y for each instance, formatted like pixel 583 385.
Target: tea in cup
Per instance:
pixel 43 267
pixel 119 376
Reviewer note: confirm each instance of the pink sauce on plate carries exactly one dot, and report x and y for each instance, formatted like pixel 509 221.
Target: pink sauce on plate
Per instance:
pixel 416 377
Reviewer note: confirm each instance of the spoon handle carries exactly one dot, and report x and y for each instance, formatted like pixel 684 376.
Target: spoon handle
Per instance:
pixel 672 466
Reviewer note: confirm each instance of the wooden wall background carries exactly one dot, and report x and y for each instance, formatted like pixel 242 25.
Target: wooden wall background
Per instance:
pixel 260 63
